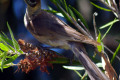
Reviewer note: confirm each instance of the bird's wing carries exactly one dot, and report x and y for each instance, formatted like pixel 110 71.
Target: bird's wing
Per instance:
pixel 52 26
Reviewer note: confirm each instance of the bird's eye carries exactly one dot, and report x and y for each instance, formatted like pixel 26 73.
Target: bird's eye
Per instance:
pixel 32 1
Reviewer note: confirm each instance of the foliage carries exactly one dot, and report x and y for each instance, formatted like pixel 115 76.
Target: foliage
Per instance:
pixel 10 49
pixel 72 15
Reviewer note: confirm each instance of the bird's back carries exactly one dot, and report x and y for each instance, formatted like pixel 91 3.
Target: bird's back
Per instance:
pixel 49 27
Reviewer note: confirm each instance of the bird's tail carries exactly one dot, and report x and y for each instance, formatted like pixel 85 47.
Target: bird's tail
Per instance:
pixel 91 41
pixel 93 71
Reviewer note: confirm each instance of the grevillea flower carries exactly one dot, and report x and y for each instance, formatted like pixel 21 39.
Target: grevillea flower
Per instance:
pixel 35 57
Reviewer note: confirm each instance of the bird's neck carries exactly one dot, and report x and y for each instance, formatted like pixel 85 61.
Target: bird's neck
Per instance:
pixel 31 11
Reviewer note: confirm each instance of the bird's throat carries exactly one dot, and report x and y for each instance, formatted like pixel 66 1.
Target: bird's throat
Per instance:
pixel 33 10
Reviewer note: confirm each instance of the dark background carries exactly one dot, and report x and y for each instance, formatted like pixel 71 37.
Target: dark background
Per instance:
pixel 12 11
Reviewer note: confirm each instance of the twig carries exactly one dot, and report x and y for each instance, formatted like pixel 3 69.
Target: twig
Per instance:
pixel 84 26
pixel 115 5
pixel 119 10
pixel 85 74
pixel 76 24
pixel 113 9
pixel 94 24
pixel 11 64
pixel 119 4
pixel 111 52
pixel 109 49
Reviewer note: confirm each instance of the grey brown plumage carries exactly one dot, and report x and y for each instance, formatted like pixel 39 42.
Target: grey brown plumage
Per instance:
pixel 48 29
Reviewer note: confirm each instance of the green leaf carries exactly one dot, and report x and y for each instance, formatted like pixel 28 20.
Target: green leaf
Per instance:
pixel 20 51
pixel 64 13
pixel 79 16
pixel 4 34
pixel 61 60
pixel 78 73
pixel 99 7
pixel 99 40
pixel 107 31
pixel 74 67
pixel 5 39
pixel 108 24
pixel 3 61
pixel 65 5
pixel 79 67
pixel 52 11
pixel 11 59
pixel 6 66
pixel 55 12
pixel 1 54
pixel 15 43
pixel 61 10
pixel 115 53
pixel 4 47
pixel 72 14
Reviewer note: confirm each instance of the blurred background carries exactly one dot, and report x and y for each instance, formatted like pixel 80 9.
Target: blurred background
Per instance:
pixel 12 11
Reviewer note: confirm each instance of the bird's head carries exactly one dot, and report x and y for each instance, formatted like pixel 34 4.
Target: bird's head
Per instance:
pixel 33 6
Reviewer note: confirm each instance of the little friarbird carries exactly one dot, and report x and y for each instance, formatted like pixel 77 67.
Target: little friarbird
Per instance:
pixel 50 30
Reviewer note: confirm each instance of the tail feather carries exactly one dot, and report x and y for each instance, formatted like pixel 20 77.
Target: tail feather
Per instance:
pixel 93 71
pixel 93 42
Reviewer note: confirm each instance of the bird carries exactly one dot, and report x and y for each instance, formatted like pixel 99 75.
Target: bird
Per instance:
pixel 50 30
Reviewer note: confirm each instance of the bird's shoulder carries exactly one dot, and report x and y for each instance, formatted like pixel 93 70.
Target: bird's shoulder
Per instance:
pixel 53 25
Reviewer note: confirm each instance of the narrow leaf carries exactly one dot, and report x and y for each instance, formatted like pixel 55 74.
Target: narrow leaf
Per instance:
pixel 108 24
pixel 11 59
pixel 55 12
pixel 6 44
pixel 79 67
pixel 4 34
pixel 72 14
pixel 107 31
pixel 52 11
pixel 99 7
pixel 64 13
pixel 79 16
pixel 61 10
pixel 6 66
pixel 1 54
pixel 16 45
pixel 78 73
pixel 4 47
pixel 4 39
pixel 99 40
pixel 115 53
pixel 74 67
pixel 65 5
pixel 3 61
